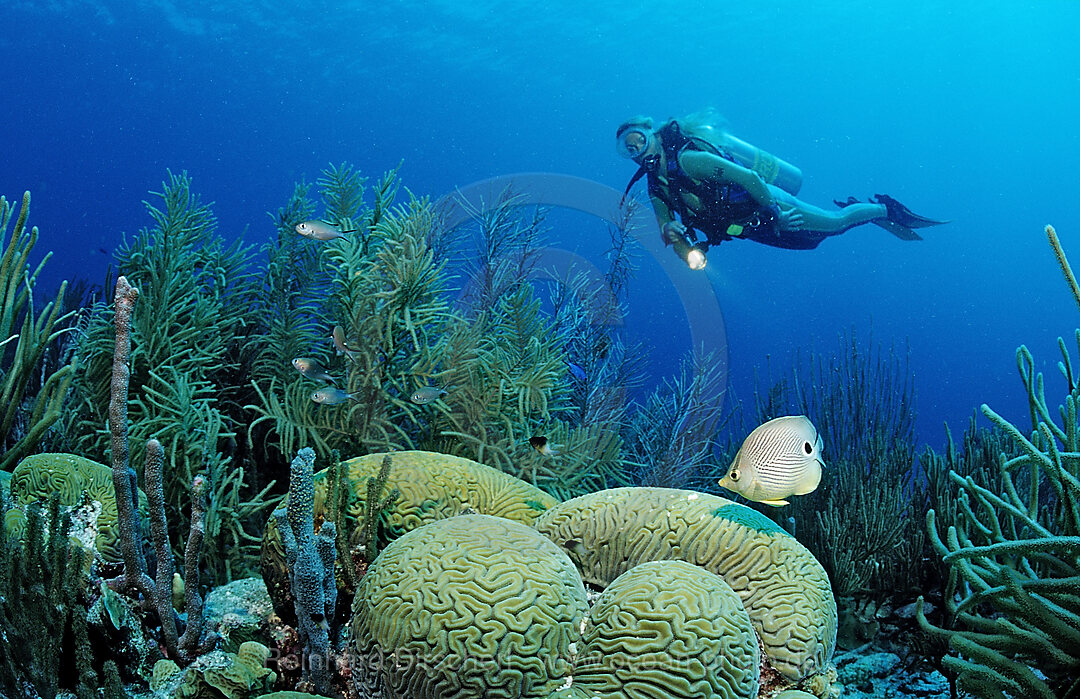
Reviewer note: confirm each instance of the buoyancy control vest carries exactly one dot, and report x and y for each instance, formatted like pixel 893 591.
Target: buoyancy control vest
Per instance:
pixel 726 210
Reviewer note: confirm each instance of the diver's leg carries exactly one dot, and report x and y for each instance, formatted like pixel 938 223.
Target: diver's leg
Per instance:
pixel 833 222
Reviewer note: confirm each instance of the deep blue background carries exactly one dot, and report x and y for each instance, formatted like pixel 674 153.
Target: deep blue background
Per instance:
pixel 964 110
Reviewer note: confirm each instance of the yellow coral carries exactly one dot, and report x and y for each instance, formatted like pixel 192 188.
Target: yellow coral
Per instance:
pixel 670 629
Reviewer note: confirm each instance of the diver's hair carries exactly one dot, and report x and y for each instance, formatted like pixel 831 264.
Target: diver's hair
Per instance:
pixel 707 124
pixel 636 121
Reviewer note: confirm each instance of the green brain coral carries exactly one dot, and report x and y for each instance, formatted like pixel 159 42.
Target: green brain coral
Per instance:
pixel 36 477
pixel 433 486
pixel 782 586
pixel 669 629
pixel 471 606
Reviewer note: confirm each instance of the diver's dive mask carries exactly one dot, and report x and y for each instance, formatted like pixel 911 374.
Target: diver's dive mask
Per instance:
pixel 634 142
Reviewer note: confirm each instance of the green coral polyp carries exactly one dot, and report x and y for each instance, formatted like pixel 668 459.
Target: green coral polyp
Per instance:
pixel 753 519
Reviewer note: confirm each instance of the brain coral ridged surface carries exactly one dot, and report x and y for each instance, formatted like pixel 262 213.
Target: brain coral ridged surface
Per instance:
pixel 433 486
pixel 37 477
pixel 782 586
pixel 468 607
pixel 669 629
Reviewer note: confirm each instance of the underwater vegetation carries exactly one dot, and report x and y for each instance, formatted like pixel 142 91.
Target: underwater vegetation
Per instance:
pixel 1013 551
pixel 865 520
pixel 469 435
pixel 31 391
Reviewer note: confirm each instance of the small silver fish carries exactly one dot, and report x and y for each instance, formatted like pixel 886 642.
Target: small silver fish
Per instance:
pixel 778 459
pixel 427 394
pixel 320 230
pixel 341 345
pixel 543 446
pixel 311 369
pixel 332 396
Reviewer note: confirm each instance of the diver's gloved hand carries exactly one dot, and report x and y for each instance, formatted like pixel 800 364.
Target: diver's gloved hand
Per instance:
pixel 790 220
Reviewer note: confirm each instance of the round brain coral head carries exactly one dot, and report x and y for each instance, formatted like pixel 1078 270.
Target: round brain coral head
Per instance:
pixel 782 586
pixel 669 629
pixel 471 606
pixel 432 486
pixel 37 477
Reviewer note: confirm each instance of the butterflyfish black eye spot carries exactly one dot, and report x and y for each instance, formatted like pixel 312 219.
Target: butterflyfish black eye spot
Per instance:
pixel 808 447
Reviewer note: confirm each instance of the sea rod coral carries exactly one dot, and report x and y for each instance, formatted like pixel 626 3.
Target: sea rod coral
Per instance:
pixel 1014 553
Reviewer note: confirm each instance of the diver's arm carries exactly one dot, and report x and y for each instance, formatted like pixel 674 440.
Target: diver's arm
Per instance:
pixel 665 220
pixel 706 166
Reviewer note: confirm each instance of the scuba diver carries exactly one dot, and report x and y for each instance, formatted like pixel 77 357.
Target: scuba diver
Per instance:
pixel 726 188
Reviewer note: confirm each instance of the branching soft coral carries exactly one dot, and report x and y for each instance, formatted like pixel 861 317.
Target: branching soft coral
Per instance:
pixel 25 336
pixel 1013 550
pixel 671 435
pixel 387 293
pixel 198 298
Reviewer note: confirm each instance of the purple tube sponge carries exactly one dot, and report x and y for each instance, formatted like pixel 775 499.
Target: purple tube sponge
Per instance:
pixel 310 560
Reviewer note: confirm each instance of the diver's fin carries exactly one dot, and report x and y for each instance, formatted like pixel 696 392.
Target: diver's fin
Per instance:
pixel 901 232
pixel 898 213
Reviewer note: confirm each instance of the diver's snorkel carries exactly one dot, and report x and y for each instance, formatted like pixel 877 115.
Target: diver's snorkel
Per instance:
pixel 691 254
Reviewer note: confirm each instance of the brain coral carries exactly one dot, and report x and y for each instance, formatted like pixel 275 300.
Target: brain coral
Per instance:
pixel 669 629
pixel 36 477
pixel 433 486
pixel 782 586
pixel 467 607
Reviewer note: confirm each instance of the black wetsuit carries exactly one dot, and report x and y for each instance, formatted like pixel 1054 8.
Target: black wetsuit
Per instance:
pixel 727 210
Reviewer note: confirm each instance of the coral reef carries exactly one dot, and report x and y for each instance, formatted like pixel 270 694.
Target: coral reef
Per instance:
pixel 671 629
pixel 38 476
pixel 784 589
pixel 198 371
pixel 1014 553
pixel 25 338
pixel 469 606
pixel 432 486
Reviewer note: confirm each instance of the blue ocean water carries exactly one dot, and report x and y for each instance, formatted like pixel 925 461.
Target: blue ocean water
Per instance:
pixel 963 110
